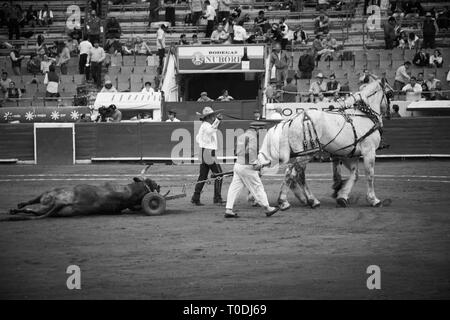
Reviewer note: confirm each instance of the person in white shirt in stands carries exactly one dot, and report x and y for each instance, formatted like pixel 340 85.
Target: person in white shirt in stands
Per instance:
pixel 210 16
pixel 52 81
pixel 219 35
pixel 402 76
pixel 207 141
pixel 225 96
pixel 84 48
pixel 148 88
pixel 284 32
pixel 45 17
pixel 46 63
pixel 413 90
pixel 240 34
pixel 172 116
pixel 161 43
pixel 95 59
pixel 108 87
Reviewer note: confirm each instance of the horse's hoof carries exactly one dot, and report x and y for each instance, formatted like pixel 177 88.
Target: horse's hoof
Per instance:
pixel 313 204
pixel 378 204
pixel 284 206
pixel 342 202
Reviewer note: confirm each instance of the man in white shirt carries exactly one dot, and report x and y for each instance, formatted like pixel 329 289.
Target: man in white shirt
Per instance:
pixel 172 116
pixel 401 76
pixel 207 141
pixel 413 90
pixel 95 59
pixel 240 34
pixel 161 43
pixel 219 35
pixel 84 48
pixel 319 85
pixel 148 88
pixel 210 16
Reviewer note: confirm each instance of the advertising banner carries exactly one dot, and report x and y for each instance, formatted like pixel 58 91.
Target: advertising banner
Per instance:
pixel 129 100
pixel 41 114
pixel 220 58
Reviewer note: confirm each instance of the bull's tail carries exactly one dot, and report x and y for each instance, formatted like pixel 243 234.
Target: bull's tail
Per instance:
pixel 52 211
pixel 30 202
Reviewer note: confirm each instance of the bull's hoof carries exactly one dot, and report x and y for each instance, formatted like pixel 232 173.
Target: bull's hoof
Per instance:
pixel 13 211
pixel 21 205
pixel 343 203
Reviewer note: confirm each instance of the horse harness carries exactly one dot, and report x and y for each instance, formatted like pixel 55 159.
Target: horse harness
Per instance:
pixel 314 143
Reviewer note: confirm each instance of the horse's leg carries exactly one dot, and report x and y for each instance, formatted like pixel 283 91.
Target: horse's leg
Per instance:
pixel 369 164
pixel 337 176
pixel 352 165
pixel 301 180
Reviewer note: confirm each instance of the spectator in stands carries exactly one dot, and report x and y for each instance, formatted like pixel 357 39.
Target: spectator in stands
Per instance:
pixel 148 88
pixel 210 16
pixel 183 40
pixel 31 16
pixel 319 49
pixel 420 80
pixel 172 116
pixel 425 93
pixel 280 60
pixel 196 10
pixel 219 35
pixel 204 97
pixel 321 23
pixel 41 45
pixel 436 60
pixel 438 94
pixel 141 47
pixel 12 17
pixel 395 114
pixel 12 92
pixel 443 18
pixel 331 45
pixel 64 58
pixel 284 29
pixel 239 33
pixel 45 17
pixel 72 45
pixel 113 114
pixel 34 64
pixel 401 76
pixel 225 96
pixel 4 83
pixel 319 85
pixel 95 59
pixel 306 64
pixel 289 91
pixel 321 98
pixel 262 22
pixel 154 6
pixel 96 5
pixel 169 6
pixel 224 10
pixel 195 40
pixel 413 41
pixel 333 86
pixel 256 115
pixel 389 33
pixel 84 49
pixel 108 87
pixel 300 36
pixel 402 40
pixel 93 27
pixel 16 60
pixel 413 9
pixel 322 5
pixel 161 43
pixel 421 58
pixel 113 29
pixel 272 93
pixel 413 90
pixel 52 81
pixel 429 31
pixel 46 63
pixel 431 83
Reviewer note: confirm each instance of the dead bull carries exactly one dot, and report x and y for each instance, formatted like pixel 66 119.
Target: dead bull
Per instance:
pixel 87 200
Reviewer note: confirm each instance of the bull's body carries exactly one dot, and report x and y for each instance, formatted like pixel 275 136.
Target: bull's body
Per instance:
pixel 87 200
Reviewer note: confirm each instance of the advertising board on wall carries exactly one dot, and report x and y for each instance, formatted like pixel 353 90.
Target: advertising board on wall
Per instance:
pixel 220 58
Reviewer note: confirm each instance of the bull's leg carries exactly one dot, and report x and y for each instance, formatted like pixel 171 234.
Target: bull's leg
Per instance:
pixel 369 164
pixel 30 202
pixel 352 165
pixel 40 211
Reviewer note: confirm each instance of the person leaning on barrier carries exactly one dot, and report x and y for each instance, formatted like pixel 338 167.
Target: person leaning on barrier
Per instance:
pixel 172 116
pixel 246 171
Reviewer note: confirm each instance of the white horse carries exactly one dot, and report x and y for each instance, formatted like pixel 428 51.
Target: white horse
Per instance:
pixel 347 134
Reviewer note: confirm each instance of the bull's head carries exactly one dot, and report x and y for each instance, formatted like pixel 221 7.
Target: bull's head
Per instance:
pixel 149 183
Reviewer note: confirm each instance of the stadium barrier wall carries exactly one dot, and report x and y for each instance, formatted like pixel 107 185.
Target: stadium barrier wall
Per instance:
pixel 408 137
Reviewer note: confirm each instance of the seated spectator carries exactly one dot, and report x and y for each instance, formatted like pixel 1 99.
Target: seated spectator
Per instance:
pixel 108 87
pixel 52 81
pixel 319 85
pixel 148 88
pixel 395 113
pixel 431 83
pixel 113 29
pixel 289 91
pixel 195 40
pixel 333 86
pixel 113 114
pixel 219 35
pixel 225 96
pixel 4 83
pixel 239 32
pixel 300 36
pixel 183 40
pixel 413 41
pixel 322 98
pixel 436 60
pixel 321 23
pixel 141 47
pixel 331 45
pixel 426 95
pixel 402 40
pixel 413 90
pixel 421 58
pixel 31 16
pixel 420 78
pixel 12 92
pixel 204 97
pixel 46 63
pixel 45 17
pixel 262 22
pixel 128 47
pixel 256 115
pixel 438 94
pixel 319 49
pixel 172 116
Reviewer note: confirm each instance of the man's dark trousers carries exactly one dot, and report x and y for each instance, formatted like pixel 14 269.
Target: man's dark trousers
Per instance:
pixel 96 71
pixel 208 163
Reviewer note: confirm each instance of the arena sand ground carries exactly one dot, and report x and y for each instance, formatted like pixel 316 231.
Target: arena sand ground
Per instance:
pixel 194 253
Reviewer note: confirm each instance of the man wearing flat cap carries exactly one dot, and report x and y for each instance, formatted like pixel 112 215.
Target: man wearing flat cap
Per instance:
pixel 246 171
pixel 207 141
pixel 172 116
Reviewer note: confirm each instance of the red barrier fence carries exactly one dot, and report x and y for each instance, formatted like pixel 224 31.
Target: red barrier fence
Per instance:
pixel 428 136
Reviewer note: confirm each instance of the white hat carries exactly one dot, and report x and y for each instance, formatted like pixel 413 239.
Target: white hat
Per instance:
pixel 206 112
